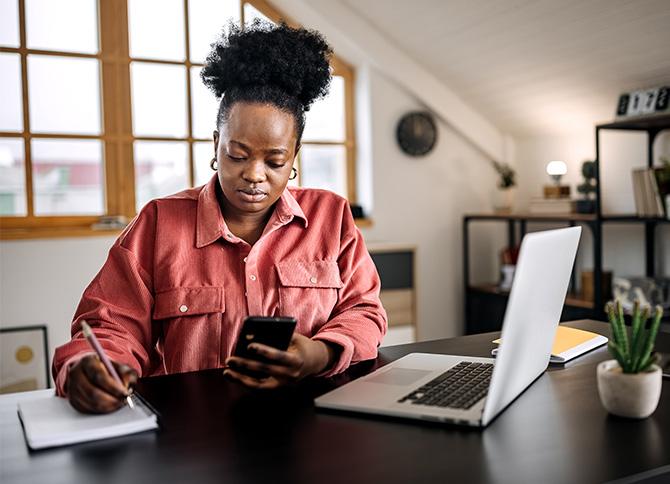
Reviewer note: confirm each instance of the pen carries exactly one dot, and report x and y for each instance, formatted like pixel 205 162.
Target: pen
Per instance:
pixel 93 341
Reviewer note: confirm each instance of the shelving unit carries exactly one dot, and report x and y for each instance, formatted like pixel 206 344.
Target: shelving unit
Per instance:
pixel 485 303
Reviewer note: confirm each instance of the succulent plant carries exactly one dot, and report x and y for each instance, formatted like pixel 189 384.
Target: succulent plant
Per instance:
pixel 634 351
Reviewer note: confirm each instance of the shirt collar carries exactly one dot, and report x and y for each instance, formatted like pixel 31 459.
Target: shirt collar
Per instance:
pixel 210 225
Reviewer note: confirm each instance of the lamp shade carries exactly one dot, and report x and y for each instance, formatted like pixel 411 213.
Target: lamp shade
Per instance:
pixel 557 168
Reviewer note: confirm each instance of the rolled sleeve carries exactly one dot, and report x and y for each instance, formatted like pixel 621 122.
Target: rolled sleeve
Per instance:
pixel 358 322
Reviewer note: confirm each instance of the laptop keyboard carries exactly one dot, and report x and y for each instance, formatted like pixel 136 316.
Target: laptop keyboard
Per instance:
pixel 459 387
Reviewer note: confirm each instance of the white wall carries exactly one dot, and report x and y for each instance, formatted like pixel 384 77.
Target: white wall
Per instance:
pixel 621 151
pixel 41 281
pixel 421 201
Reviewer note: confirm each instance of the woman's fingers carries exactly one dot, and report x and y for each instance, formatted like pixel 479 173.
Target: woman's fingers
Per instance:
pixel 284 358
pixel 91 389
pixel 269 369
pixel 98 375
pixel 92 399
pixel 265 383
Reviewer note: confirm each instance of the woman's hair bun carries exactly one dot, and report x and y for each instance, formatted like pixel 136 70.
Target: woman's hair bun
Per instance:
pixel 293 60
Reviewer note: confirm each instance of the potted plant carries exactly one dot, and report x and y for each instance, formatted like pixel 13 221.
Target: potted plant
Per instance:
pixel 630 385
pixel 504 201
pixel 587 188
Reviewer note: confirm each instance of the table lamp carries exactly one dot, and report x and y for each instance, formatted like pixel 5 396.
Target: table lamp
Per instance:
pixel 556 169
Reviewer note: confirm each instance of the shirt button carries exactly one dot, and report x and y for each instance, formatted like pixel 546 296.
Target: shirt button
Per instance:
pixel 312 280
pixel 183 308
pixel 252 277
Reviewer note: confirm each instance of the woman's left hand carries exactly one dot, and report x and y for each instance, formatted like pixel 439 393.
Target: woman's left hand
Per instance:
pixel 303 357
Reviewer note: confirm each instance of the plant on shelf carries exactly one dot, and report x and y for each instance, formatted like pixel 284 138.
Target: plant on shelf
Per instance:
pixel 587 188
pixel 507 175
pixel 504 200
pixel 630 385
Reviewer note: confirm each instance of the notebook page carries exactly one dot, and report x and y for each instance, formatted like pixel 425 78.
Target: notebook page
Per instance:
pixel 49 422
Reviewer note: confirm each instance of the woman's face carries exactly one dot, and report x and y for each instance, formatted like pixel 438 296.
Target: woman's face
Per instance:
pixel 255 150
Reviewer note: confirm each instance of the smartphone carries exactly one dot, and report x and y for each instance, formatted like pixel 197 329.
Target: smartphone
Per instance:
pixel 276 332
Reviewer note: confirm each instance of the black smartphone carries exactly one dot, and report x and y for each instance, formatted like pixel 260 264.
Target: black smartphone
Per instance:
pixel 276 332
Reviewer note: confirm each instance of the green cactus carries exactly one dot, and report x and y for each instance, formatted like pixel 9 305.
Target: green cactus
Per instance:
pixel 634 354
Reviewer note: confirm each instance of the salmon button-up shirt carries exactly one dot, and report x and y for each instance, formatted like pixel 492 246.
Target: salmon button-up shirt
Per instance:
pixel 177 284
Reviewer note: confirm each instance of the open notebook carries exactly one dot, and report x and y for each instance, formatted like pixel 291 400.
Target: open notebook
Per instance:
pixel 51 422
pixel 570 343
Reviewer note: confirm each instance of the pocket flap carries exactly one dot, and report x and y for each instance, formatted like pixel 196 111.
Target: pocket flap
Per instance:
pixel 188 301
pixel 322 273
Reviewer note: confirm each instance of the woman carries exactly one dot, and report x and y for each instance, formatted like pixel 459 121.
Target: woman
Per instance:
pixel 190 267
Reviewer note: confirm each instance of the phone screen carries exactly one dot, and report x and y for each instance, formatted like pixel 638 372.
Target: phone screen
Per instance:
pixel 275 332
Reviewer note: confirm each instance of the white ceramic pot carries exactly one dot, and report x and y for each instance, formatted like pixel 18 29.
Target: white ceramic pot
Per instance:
pixel 503 200
pixel 632 395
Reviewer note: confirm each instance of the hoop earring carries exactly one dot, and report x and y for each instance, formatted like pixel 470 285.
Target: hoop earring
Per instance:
pixel 213 164
pixel 294 174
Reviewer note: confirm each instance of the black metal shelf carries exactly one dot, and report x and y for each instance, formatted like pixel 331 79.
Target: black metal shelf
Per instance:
pixel 485 304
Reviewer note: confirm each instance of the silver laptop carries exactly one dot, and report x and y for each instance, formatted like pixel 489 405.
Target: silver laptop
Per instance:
pixel 470 390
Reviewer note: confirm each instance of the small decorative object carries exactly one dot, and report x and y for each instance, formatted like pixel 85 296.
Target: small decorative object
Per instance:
pixel 630 385
pixel 663 180
pixel 24 364
pixel 647 290
pixel 508 259
pixel 416 133
pixel 587 188
pixel 588 286
pixel 644 102
pixel 556 169
pixel 504 196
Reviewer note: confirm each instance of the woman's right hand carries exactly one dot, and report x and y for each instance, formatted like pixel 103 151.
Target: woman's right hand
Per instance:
pixel 91 389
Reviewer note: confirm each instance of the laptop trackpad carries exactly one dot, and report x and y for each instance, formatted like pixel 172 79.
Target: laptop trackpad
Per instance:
pixel 399 376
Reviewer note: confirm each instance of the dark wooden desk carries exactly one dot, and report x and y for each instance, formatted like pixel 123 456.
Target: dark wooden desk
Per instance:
pixel 216 431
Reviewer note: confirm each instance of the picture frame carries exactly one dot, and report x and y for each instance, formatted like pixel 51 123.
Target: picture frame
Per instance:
pixel 24 359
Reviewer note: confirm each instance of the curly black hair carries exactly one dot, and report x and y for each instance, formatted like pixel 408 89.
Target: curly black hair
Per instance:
pixel 271 64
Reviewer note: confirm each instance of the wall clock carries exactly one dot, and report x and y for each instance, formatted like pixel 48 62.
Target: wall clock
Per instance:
pixel 416 133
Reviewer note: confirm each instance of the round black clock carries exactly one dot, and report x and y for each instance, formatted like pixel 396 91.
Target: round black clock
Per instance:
pixel 416 133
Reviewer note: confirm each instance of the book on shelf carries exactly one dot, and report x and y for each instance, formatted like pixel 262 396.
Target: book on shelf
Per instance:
pixel 552 205
pixel 649 192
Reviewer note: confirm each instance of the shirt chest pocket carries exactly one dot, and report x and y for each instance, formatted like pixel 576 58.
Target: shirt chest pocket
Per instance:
pixel 308 291
pixel 191 330
pixel 182 302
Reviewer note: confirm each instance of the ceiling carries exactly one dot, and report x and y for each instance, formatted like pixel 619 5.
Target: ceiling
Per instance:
pixel 532 66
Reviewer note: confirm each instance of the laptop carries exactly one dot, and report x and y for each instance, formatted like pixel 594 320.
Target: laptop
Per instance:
pixel 469 390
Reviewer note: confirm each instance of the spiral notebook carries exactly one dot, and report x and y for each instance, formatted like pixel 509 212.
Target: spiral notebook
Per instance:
pixel 570 343
pixel 51 422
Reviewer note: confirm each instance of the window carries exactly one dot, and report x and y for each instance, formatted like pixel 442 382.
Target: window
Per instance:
pixel 103 110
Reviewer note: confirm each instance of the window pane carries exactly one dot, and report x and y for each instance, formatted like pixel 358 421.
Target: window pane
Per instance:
pixel 68 177
pixel 9 23
pixel 159 99
pixel 205 106
pixel 206 19
pixel 202 155
pixel 251 13
pixel 325 119
pixel 12 177
pixel 64 94
pixel 324 167
pixel 161 168
pixel 70 26
pixel 156 29
pixel 11 95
